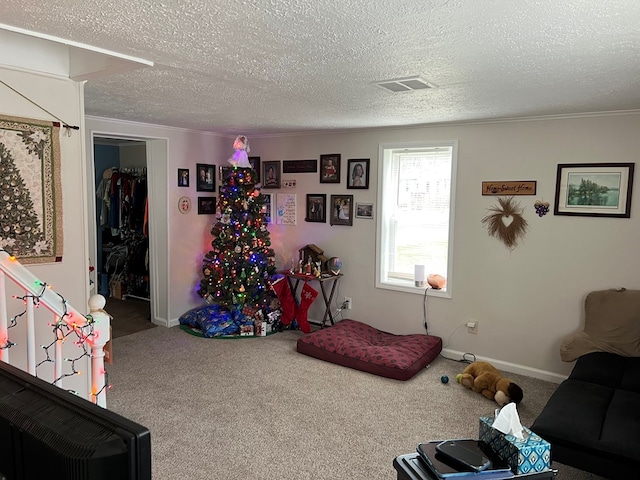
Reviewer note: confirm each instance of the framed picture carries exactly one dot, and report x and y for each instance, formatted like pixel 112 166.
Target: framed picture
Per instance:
pixel 358 169
pixel 330 168
pixel 183 177
pixel 255 164
pixel 270 174
pixel 364 210
pixel 299 166
pixel 316 208
pixel 594 189
pixel 268 207
pixel 206 177
pixel 341 210
pixel 223 172
pixel 206 205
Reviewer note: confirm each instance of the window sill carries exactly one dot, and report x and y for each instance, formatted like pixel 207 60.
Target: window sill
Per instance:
pixel 409 288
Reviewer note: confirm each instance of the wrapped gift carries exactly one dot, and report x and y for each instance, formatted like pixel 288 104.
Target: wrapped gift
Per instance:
pixel 246 330
pixel 533 454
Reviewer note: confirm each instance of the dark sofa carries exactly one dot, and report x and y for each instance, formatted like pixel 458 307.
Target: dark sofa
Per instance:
pixel 592 420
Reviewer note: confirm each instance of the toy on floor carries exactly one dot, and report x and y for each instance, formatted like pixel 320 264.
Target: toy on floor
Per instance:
pixel 484 378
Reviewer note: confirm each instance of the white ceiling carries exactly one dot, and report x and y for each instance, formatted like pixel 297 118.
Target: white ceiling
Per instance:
pixel 277 66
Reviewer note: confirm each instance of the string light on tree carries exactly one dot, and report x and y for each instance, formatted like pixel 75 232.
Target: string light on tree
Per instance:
pixel 237 269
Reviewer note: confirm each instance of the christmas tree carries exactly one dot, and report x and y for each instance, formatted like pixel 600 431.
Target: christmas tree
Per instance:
pixel 238 269
pixel 21 231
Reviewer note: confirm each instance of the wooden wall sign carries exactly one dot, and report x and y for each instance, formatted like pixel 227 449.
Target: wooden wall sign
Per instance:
pixel 509 188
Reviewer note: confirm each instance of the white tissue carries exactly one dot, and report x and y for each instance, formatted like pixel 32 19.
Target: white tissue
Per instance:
pixel 508 422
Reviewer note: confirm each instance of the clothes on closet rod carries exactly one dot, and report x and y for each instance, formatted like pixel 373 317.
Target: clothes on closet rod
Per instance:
pixel 124 206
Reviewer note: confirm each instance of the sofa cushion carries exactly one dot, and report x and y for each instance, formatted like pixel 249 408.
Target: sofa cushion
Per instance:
pixel 360 346
pixel 595 411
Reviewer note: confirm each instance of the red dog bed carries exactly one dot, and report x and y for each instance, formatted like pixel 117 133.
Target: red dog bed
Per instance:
pixel 357 345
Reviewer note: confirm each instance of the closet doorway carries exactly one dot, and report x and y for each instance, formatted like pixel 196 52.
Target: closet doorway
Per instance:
pixel 122 233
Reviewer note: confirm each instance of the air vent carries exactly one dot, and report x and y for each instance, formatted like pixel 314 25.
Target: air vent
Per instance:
pixel 405 84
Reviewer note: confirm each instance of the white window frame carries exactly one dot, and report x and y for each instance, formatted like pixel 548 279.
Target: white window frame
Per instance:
pixel 384 196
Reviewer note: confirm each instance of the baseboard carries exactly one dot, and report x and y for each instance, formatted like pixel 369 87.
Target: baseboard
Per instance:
pixel 509 367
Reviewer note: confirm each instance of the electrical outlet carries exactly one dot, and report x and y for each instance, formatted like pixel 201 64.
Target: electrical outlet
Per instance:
pixel 347 302
pixel 472 327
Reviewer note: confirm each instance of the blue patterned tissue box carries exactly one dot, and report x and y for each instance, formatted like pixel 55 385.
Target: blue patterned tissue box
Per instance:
pixel 533 454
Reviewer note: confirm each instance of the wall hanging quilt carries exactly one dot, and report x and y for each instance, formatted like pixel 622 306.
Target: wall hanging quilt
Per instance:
pixel 30 189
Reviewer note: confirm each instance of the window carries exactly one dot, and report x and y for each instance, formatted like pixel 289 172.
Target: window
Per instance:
pixel 416 189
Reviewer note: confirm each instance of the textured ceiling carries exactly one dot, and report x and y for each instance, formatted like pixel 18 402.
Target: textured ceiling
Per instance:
pixel 275 66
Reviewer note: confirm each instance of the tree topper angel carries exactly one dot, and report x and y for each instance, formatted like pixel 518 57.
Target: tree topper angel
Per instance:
pixel 239 157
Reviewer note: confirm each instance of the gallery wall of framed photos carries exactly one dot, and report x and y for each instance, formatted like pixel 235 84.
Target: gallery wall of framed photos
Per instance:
pixel 322 207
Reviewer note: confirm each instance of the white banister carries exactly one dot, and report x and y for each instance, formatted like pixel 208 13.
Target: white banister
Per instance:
pixel 101 330
pixel 4 335
pixel 31 338
pixel 57 366
pixel 37 293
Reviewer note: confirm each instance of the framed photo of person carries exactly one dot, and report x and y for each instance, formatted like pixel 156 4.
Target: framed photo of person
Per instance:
pixel 316 208
pixel 330 168
pixel 358 169
pixel 270 174
pixel 255 164
pixel 268 211
pixel 206 205
pixel 183 177
pixel 206 177
pixel 341 210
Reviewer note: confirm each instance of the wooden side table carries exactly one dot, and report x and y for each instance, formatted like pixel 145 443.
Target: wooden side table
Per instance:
pixel 294 280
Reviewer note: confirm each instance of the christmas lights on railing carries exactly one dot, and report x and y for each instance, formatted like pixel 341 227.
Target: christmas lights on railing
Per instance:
pixel 62 328
pixel 106 385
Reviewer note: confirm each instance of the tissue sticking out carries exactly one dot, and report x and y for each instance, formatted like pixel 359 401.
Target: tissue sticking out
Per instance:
pixel 508 421
pixel 484 378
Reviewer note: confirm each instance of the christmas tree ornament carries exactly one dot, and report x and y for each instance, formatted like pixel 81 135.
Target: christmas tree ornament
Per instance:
pixel 240 157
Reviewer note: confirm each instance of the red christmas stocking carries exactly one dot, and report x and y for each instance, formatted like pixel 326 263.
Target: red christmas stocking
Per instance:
pixel 307 297
pixel 287 302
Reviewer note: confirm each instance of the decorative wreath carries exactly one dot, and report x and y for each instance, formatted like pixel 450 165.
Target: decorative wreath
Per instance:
pixel 506 222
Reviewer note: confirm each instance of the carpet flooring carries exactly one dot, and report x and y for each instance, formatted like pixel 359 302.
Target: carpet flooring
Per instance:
pixel 255 409
pixel 129 316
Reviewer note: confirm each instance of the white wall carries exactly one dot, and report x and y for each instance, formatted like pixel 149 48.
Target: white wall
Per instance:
pixel 177 241
pixel 64 98
pixel 524 300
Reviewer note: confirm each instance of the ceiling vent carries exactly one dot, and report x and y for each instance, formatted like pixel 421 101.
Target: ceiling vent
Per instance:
pixel 405 84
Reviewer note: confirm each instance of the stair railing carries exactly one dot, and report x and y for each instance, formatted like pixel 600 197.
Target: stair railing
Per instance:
pixel 90 333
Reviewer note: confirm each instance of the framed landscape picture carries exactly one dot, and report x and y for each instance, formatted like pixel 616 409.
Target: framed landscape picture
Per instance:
pixel 594 189
pixel 364 210
pixel 330 168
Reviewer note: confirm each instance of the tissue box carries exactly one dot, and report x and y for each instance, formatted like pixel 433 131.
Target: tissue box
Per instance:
pixel 533 454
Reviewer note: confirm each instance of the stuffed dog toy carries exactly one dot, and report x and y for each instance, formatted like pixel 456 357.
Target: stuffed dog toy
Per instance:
pixel 484 378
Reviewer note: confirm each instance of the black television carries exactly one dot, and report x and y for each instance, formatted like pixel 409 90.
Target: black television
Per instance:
pixel 48 432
